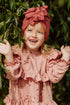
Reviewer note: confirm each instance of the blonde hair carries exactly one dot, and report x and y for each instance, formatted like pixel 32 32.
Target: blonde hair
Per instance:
pixel 46 49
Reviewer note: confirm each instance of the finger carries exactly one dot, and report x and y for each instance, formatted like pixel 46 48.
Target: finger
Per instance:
pixel 6 42
pixel 62 47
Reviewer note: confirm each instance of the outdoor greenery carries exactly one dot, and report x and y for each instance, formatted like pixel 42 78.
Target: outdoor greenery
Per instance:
pixel 11 16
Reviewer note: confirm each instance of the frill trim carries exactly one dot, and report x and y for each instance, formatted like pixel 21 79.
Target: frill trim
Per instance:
pixel 14 72
pixel 34 74
pixel 54 54
pixel 49 103
pixel 8 101
pixel 36 77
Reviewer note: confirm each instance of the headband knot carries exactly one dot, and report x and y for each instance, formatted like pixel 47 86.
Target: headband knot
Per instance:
pixel 35 15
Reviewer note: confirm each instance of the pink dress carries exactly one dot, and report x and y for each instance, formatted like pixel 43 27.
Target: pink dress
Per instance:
pixel 31 76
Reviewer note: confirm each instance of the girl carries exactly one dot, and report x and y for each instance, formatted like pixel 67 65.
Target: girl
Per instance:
pixel 31 70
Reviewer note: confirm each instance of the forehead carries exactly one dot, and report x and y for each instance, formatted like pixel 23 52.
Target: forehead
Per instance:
pixel 36 26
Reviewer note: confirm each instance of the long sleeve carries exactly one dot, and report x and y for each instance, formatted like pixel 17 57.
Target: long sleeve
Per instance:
pixel 14 69
pixel 56 68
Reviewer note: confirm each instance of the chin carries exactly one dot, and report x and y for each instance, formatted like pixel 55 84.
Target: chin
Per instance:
pixel 32 48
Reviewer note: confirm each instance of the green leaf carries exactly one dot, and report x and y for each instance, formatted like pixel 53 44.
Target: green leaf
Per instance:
pixel 51 13
pixel 1 24
pixel 19 10
pixel 68 6
pixel 19 41
pixel 65 38
pixel 51 28
pixel 2 27
pixel 15 20
pixel 25 5
pixel 12 4
pixel 3 67
pixel 8 19
pixel 60 3
pixel 65 27
pixel 1 38
pixel 68 18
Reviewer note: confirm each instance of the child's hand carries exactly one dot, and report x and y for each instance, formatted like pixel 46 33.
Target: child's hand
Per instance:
pixel 65 52
pixel 5 48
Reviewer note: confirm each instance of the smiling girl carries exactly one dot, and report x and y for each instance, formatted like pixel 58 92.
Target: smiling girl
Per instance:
pixel 31 72
pixel 34 36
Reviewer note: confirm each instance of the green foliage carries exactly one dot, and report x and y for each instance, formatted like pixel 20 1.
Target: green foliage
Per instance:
pixel 11 16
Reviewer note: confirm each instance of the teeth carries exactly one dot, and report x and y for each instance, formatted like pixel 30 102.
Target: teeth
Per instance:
pixel 33 40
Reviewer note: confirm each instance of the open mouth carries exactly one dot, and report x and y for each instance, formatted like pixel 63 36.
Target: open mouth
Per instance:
pixel 33 41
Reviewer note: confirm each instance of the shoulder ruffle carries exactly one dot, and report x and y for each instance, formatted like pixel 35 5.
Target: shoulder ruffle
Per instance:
pixel 54 54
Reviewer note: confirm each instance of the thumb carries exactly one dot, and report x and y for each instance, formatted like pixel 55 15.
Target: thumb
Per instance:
pixel 62 47
pixel 6 42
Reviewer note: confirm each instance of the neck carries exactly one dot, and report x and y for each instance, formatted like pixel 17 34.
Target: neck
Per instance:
pixel 32 50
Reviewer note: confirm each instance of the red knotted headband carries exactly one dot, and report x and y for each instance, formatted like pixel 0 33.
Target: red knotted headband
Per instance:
pixel 35 15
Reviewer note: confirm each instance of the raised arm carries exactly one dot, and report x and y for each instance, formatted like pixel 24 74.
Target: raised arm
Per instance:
pixel 12 61
pixel 65 53
pixel 56 67
pixel 6 50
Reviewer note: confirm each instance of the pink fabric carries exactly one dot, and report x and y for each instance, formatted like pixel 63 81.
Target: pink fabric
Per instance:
pixel 31 76
pixel 35 15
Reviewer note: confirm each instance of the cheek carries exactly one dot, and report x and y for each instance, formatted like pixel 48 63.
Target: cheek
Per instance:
pixel 25 36
pixel 42 38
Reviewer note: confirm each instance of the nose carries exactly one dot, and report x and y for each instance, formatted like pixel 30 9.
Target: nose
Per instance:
pixel 34 34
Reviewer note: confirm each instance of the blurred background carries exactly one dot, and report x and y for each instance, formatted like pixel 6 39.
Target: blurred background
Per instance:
pixel 11 16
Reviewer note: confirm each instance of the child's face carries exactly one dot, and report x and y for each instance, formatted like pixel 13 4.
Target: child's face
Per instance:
pixel 34 36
